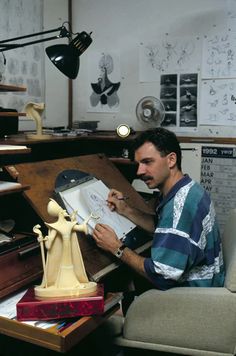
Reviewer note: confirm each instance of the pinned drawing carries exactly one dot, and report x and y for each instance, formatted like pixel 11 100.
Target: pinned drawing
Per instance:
pixel 219 56
pixel 218 102
pixel 104 95
pixel 169 55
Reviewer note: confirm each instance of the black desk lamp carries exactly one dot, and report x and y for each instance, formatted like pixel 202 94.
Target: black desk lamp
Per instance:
pixel 64 56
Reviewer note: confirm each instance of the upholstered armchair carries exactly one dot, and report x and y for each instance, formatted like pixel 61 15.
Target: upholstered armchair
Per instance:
pixel 187 321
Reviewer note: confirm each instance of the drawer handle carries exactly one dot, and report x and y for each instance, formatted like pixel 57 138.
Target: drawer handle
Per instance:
pixel 28 252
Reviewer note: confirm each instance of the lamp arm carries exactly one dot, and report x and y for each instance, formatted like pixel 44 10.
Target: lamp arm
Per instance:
pixel 6 47
pixel 32 35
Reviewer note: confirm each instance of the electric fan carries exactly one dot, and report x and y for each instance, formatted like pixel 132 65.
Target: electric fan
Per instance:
pixel 150 111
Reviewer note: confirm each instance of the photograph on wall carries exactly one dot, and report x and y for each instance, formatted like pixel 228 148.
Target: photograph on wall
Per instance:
pixel 179 94
pixel 104 82
pixel 188 89
pixel 167 55
pixel 168 96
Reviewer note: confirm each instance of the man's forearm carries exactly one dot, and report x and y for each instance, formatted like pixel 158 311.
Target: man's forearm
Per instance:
pixel 133 260
pixel 140 218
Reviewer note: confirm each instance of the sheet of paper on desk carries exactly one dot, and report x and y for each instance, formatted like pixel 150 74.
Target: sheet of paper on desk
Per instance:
pixel 8 305
pixel 8 310
pixel 90 198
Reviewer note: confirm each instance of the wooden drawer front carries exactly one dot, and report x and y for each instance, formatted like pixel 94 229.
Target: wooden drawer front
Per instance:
pixel 19 267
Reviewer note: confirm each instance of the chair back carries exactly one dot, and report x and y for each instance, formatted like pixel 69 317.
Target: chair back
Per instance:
pixel 229 251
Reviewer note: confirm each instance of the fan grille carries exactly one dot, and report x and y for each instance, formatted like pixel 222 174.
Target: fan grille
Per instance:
pixel 150 111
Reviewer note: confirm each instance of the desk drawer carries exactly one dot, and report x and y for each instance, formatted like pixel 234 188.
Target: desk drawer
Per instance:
pixel 19 267
pixel 54 339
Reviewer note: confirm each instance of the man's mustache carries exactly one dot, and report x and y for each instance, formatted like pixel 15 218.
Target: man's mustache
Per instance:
pixel 144 178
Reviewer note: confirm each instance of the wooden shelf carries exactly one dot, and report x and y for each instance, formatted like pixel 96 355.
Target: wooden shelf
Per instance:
pixel 12 188
pixel 13 149
pixel 122 160
pixel 7 87
pixel 12 113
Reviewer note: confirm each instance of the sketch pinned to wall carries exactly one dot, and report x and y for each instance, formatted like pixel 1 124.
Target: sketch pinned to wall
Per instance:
pixel 24 66
pixel 218 102
pixel 179 94
pixel 219 56
pixel 171 54
pixel 104 79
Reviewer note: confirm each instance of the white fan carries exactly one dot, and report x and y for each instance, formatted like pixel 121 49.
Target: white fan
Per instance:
pixel 150 111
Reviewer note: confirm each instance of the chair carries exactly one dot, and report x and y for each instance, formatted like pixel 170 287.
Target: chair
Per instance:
pixel 187 321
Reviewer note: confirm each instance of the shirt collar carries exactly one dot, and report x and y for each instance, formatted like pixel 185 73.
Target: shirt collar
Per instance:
pixel 181 183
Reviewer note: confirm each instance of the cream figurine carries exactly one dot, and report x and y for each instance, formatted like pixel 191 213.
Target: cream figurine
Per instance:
pixel 34 112
pixel 64 272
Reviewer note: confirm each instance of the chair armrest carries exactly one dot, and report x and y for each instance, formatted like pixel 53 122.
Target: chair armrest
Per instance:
pixel 191 317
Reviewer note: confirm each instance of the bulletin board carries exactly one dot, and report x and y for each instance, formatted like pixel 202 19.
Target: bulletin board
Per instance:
pixel 22 66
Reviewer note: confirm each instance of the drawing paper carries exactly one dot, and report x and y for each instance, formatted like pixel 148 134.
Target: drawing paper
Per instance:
pixel 90 198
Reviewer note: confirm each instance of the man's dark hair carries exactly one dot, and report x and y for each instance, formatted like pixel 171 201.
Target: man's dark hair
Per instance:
pixel 164 140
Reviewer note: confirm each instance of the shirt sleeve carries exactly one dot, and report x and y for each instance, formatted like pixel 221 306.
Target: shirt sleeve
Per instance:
pixel 172 255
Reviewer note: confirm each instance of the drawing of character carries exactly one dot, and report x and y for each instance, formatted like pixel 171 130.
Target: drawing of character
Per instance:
pixel 104 91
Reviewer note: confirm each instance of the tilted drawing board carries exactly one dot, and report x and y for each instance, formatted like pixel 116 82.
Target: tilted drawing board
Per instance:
pixel 41 177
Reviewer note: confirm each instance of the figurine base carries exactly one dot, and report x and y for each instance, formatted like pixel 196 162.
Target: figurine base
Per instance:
pixel 31 308
pixel 53 292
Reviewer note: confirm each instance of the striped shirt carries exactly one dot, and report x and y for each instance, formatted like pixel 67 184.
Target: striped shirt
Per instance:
pixel 186 249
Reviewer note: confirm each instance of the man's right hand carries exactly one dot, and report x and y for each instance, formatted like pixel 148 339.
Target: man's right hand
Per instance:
pixel 117 202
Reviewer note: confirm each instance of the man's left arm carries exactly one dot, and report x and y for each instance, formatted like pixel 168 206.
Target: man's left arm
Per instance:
pixel 106 239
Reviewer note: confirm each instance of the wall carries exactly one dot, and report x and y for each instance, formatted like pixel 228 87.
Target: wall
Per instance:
pixel 121 26
pixel 23 66
pixel 29 66
pixel 56 84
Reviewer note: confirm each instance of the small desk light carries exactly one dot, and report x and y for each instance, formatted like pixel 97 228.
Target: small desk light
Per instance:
pixel 65 56
pixel 123 130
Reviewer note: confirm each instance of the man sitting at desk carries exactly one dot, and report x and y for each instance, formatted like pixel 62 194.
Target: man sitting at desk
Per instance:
pixel 186 248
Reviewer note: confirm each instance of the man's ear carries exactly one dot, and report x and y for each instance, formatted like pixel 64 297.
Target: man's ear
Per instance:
pixel 172 159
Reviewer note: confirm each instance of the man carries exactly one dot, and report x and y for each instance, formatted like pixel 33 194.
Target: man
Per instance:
pixel 186 248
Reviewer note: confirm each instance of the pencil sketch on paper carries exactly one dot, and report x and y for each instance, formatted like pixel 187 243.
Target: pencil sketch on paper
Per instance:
pixel 169 55
pixel 217 104
pixel 89 200
pixel 219 56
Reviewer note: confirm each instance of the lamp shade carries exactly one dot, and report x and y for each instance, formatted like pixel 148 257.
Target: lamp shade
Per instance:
pixel 65 58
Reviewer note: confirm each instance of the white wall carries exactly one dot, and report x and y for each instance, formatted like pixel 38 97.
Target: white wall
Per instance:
pixel 121 25
pixel 56 84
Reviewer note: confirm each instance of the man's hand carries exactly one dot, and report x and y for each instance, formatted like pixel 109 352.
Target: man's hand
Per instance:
pixel 106 238
pixel 117 202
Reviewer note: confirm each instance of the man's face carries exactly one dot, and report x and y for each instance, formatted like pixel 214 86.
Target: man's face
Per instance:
pixel 153 169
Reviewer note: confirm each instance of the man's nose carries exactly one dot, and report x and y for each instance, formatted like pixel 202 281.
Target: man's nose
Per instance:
pixel 141 169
